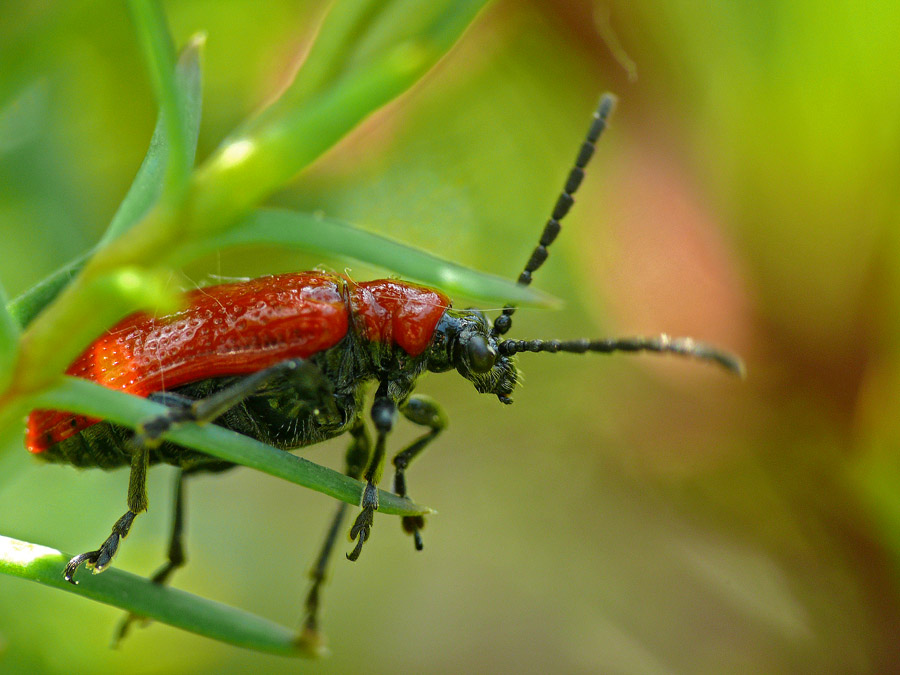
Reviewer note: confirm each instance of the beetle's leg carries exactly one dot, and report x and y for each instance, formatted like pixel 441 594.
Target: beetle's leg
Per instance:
pixel 137 495
pixel 181 409
pixel 427 412
pixel 302 373
pixel 384 412
pixel 137 502
pixel 357 457
pixel 176 556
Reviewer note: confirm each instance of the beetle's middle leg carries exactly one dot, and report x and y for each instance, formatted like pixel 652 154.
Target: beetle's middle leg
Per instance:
pixel 427 412
pixel 357 458
pixel 384 413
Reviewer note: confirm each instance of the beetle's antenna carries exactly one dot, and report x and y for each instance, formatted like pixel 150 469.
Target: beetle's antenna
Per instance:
pixel 659 343
pixel 607 102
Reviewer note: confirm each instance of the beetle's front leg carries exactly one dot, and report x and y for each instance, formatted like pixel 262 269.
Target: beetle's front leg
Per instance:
pixel 384 413
pixel 427 412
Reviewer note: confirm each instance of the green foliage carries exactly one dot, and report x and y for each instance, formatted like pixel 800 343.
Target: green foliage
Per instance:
pixel 94 400
pixel 170 216
pixel 318 234
pixel 9 340
pixel 632 515
pixel 144 598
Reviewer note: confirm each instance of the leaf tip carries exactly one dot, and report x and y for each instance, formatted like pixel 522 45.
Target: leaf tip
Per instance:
pixel 197 42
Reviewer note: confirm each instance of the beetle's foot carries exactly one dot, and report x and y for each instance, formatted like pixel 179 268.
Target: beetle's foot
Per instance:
pixel 410 524
pixel 312 641
pixel 413 525
pixel 89 558
pixel 360 531
pixel 362 526
pixel 100 559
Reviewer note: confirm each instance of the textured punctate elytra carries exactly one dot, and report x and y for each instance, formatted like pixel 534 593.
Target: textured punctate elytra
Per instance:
pixel 235 329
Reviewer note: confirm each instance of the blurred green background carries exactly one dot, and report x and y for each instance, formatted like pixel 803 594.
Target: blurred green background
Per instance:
pixel 628 514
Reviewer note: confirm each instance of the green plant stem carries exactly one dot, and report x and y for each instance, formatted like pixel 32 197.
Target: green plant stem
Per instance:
pixel 88 398
pixel 9 341
pixel 318 234
pixel 144 598
pixel 159 57
pixel 144 191
pixel 237 176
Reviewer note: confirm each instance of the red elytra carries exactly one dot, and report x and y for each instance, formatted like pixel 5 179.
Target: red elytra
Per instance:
pixel 236 329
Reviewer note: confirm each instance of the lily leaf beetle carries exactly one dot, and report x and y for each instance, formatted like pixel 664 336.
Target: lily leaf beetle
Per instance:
pixel 286 360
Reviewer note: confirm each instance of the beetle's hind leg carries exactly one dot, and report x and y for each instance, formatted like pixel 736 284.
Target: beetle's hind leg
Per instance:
pixel 425 411
pixel 357 458
pixel 176 557
pixel 140 444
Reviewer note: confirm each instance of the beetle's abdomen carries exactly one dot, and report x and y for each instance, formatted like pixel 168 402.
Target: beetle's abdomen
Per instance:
pixel 231 329
pixel 107 446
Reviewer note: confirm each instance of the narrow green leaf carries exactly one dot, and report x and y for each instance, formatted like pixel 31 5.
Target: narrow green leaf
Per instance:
pixel 327 236
pixel 9 341
pixel 439 23
pixel 28 305
pixel 267 151
pixel 145 189
pixel 148 184
pixel 343 28
pixel 160 603
pixel 159 57
pixel 88 398
pixel 357 32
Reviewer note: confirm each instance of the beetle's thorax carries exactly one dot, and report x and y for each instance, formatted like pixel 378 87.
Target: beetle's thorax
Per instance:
pixel 396 313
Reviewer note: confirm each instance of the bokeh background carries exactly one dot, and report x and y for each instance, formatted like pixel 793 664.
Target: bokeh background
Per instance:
pixel 628 514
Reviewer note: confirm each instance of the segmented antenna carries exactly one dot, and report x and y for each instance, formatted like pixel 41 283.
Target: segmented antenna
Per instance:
pixel 607 102
pixel 658 343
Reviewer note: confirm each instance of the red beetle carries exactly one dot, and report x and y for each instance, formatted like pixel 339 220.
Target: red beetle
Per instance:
pixel 285 359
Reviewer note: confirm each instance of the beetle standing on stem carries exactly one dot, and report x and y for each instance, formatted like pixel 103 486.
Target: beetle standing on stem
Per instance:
pixel 286 359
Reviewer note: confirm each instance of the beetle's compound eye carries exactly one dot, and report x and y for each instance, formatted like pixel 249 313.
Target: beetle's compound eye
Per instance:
pixel 482 356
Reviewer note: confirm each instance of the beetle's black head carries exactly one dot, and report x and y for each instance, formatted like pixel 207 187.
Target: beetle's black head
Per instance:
pixel 463 340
